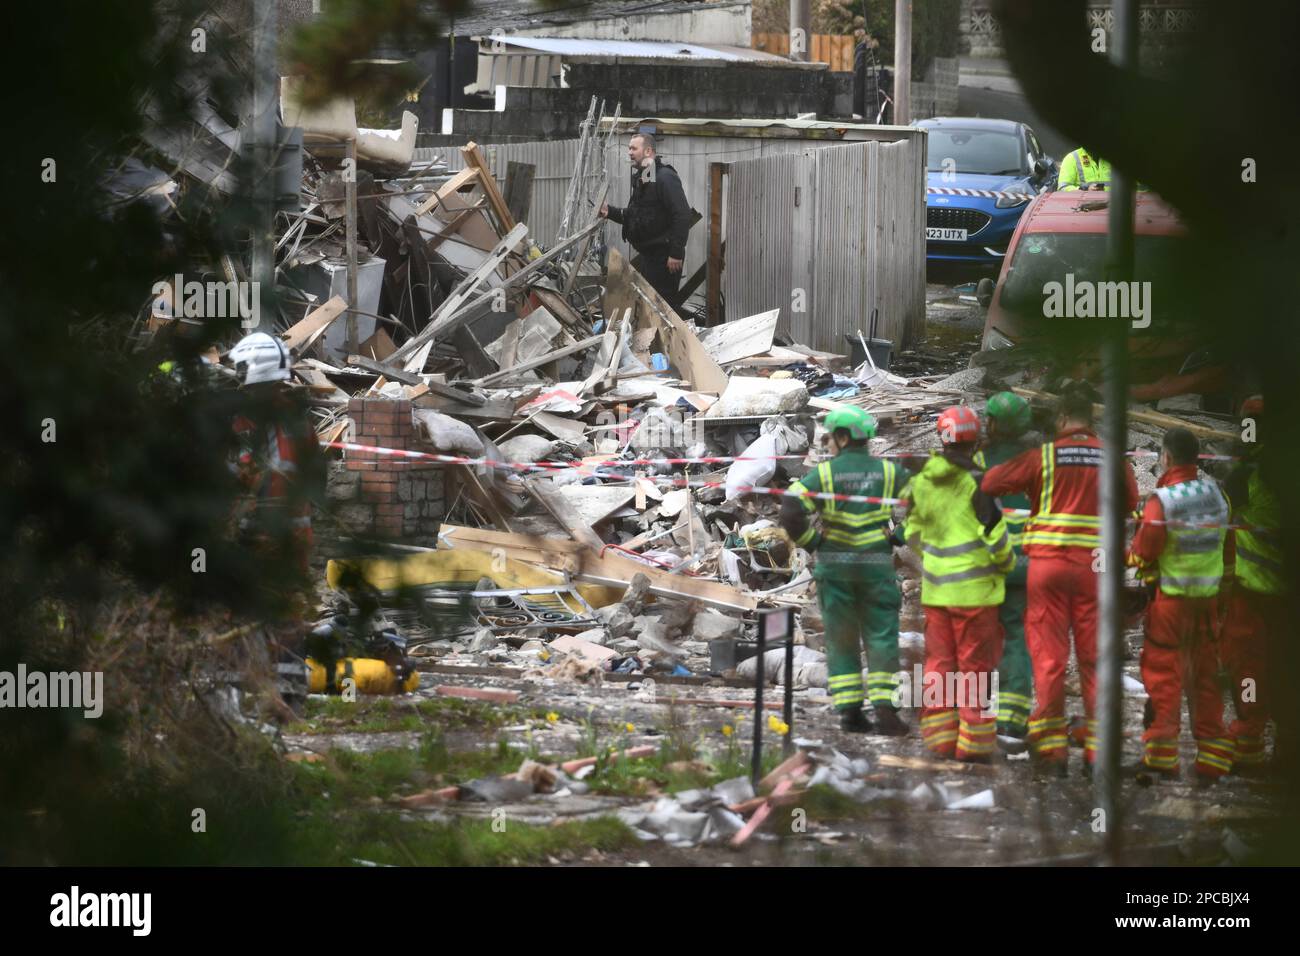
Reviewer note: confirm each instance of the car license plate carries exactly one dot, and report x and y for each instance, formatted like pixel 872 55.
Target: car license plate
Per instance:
pixel 944 235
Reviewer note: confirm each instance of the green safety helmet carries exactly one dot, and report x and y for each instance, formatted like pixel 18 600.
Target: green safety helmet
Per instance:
pixel 857 421
pixel 1011 412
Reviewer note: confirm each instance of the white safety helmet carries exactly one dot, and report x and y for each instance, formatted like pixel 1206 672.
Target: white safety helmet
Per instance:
pixel 260 358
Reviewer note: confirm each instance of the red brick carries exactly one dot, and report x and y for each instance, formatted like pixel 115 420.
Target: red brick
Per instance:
pixel 404 406
pixel 378 479
pixel 356 406
pixel 362 455
pixel 362 465
pixel 390 508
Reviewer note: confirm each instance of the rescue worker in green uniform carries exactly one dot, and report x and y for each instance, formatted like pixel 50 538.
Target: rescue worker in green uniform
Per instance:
pixel 857 586
pixel 1008 420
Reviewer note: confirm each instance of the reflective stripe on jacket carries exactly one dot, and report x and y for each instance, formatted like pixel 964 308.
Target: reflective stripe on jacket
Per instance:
pixel 962 565
pixel 1259 550
pixel 1191 563
pixel 1062 480
pixel 849 525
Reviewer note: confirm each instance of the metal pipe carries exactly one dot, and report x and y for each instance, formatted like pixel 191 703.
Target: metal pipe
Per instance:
pixel 902 62
pixel 1110 583
pixel 800 30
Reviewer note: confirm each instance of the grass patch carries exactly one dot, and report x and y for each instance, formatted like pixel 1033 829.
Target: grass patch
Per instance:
pixel 370 715
pixel 386 838
pixel 340 820
pixel 667 772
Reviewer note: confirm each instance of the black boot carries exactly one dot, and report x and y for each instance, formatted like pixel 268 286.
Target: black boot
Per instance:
pixel 888 723
pixel 855 721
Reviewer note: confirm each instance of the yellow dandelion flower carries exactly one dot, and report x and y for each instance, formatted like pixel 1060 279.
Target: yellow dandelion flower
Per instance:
pixel 727 730
pixel 552 717
pixel 777 725
pixel 629 728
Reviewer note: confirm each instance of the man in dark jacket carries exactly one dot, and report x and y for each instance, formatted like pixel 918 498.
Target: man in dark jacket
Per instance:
pixel 656 219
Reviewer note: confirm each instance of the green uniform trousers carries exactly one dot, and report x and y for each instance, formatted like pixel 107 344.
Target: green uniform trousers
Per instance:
pixel 861 608
pixel 1016 673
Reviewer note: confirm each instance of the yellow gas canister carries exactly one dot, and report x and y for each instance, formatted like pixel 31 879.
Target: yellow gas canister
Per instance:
pixel 370 676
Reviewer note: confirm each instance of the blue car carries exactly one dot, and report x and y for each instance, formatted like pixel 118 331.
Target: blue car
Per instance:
pixel 975 171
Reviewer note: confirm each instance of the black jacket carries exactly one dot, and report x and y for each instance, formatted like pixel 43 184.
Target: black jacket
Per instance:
pixel 658 215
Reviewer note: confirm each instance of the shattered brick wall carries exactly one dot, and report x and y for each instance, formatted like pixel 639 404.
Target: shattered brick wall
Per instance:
pixel 384 495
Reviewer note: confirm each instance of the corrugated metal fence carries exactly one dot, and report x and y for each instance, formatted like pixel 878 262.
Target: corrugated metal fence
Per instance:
pixel 864 249
pixel 828 235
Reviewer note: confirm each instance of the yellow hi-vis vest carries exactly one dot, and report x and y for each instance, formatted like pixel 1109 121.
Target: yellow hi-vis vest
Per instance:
pixel 1259 549
pixel 1191 565
pixel 961 566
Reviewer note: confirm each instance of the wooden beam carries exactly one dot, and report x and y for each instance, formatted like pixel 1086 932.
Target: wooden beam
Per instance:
pixel 457 182
pixel 687 355
pixel 474 158
pixel 301 335
pixel 611 569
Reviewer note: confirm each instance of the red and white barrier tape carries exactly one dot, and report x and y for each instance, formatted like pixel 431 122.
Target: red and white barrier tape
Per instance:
pixel 978 193
pixel 628 463
pixel 595 471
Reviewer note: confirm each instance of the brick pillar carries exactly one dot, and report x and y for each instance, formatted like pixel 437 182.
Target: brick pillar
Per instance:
pixel 385 423
pixel 405 495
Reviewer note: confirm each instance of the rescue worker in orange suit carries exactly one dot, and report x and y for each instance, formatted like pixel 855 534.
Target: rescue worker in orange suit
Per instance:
pixel 966 554
pixel 273 449
pixel 1258 617
pixel 1180 541
pixel 1062 538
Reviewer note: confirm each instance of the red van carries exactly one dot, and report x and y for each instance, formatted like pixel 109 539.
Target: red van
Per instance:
pixel 1061 238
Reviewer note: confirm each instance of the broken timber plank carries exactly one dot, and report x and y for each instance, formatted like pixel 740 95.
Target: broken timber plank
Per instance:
pixel 611 569
pixel 685 352
pixel 457 182
pixel 300 336
pixel 474 159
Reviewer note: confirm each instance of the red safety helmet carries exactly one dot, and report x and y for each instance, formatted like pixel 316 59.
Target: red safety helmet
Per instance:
pixel 958 425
